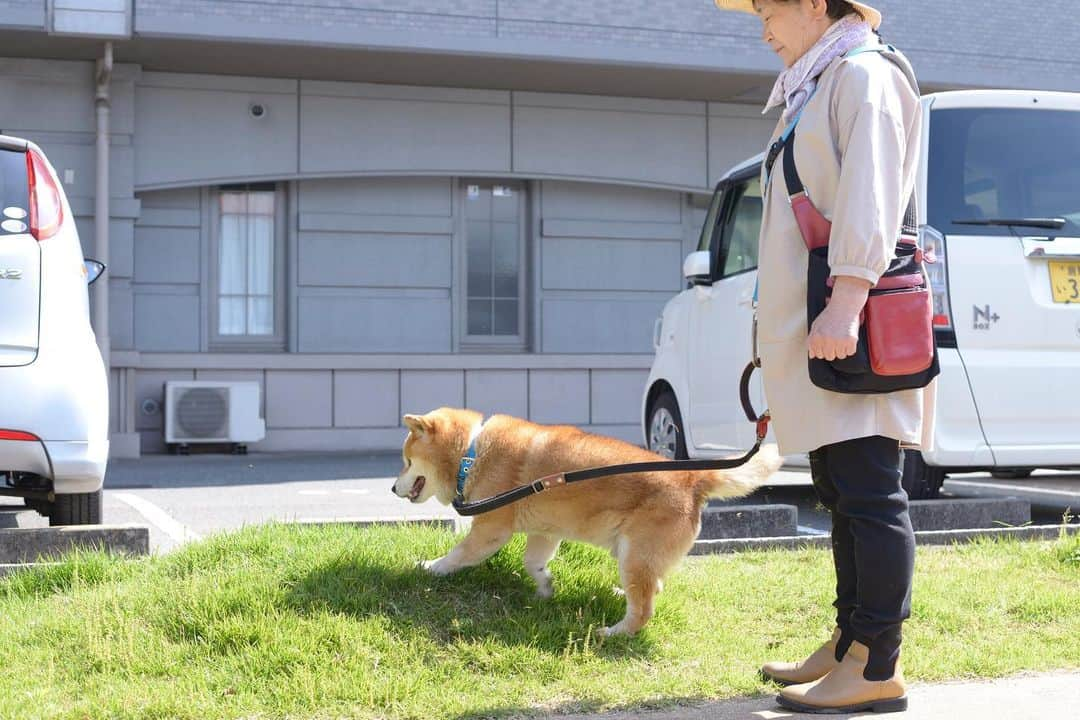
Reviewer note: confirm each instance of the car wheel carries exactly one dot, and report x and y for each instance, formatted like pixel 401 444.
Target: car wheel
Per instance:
pixel 666 435
pixel 1012 473
pixel 76 509
pixel 921 481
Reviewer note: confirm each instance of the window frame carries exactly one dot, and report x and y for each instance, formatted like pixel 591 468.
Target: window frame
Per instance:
pixel 248 343
pixel 518 343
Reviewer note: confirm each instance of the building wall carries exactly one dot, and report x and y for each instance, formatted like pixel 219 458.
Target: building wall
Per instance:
pixel 957 43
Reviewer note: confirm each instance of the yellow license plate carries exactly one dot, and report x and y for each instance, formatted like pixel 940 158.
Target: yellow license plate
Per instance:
pixel 1065 281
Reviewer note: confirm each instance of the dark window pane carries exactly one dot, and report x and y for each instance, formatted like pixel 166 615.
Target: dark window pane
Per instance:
pixel 506 317
pixel 479 322
pixel 1003 163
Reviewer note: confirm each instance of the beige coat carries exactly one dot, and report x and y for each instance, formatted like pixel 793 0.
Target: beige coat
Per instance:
pixel 856 148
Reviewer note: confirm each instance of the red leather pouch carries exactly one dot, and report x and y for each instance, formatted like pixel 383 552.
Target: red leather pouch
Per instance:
pixel 899 329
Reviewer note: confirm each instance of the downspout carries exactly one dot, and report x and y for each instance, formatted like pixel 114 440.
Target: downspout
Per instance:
pixel 103 77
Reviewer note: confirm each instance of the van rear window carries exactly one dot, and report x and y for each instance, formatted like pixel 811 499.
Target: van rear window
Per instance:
pixel 1003 163
pixel 14 193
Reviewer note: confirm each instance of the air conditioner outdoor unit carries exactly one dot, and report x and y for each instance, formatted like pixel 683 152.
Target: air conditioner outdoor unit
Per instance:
pixel 206 411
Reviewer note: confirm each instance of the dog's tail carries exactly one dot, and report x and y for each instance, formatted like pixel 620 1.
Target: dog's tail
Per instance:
pixel 742 480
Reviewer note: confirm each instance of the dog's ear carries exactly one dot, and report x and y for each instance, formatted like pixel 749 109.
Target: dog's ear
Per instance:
pixel 418 424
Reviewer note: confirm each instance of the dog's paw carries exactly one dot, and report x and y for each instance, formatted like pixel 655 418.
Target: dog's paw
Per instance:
pixel 435 567
pixel 545 592
pixel 616 629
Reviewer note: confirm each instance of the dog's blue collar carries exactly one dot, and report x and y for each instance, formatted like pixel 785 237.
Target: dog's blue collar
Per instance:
pixel 467 462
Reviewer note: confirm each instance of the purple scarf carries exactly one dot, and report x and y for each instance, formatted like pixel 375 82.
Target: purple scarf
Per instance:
pixel 796 84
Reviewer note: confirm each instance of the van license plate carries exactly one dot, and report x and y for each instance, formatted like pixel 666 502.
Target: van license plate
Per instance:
pixel 1065 281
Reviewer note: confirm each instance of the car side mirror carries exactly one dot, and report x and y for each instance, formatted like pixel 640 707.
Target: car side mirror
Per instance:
pixel 697 268
pixel 94 270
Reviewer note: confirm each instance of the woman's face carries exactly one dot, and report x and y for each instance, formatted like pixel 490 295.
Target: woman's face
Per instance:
pixel 791 28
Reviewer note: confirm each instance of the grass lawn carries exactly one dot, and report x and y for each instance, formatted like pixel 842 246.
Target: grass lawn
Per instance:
pixel 283 621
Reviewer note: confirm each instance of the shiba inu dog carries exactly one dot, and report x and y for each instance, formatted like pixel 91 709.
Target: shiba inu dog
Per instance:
pixel 648 521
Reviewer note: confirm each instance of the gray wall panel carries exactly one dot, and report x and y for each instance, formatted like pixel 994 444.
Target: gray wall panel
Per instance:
pixel 503 392
pixel 586 201
pixel 185 133
pixel 372 324
pixel 616 395
pixel 380 134
pixel 425 390
pixel 411 196
pixel 611 139
pixel 583 325
pixel 365 260
pixel 22 14
pixel 589 263
pixel 58 96
pixel 298 399
pixel 559 397
pixel 602 294
pixel 167 322
pixel 366 399
pixel 167 255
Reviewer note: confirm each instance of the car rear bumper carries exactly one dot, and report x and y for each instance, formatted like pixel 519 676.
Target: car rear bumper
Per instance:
pixel 71 467
pixel 78 467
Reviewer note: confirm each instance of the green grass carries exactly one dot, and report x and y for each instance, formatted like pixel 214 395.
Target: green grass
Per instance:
pixel 290 622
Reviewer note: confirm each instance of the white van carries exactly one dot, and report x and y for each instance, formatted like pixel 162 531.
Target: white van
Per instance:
pixel 1000 174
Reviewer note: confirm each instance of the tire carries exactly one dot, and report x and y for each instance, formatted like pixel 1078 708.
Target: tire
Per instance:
pixel 666 436
pixel 1012 473
pixel 921 481
pixel 76 509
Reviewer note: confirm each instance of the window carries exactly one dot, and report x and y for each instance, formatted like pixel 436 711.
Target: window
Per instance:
pixel 1003 163
pixel 246 304
pixel 494 239
pixel 742 225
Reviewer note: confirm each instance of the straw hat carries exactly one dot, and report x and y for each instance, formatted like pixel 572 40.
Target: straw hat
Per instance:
pixel 872 16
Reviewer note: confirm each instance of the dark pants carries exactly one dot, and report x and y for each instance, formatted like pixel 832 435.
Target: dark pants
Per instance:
pixel 873 544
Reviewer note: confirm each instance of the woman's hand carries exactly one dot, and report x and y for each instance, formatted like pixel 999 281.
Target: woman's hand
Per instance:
pixel 835 333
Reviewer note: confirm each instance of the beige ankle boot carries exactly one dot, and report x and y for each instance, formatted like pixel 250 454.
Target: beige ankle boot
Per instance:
pixel 816 666
pixel 845 690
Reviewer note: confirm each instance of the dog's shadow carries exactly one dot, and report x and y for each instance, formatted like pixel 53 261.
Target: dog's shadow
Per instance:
pixel 495 601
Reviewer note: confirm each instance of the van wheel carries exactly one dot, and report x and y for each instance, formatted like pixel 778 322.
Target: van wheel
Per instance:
pixel 921 481
pixel 666 435
pixel 76 509
pixel 1012 473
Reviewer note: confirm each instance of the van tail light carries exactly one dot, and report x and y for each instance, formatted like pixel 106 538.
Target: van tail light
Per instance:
pixel 933 243
pixel 17 435
pixel 46 209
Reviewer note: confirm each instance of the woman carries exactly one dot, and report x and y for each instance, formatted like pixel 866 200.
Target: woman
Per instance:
pixel 856 147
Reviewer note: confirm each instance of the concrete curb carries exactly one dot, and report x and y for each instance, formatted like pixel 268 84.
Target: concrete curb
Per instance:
pixel 28 545
pixel 748 521
pixel 968 513
pixel 932 537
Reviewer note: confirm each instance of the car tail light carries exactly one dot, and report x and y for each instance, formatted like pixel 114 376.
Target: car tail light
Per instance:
pixel 932 241
pixel 46 209
pixel 17 435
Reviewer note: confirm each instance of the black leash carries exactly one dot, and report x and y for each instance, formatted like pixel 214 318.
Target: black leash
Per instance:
pixel 546 483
